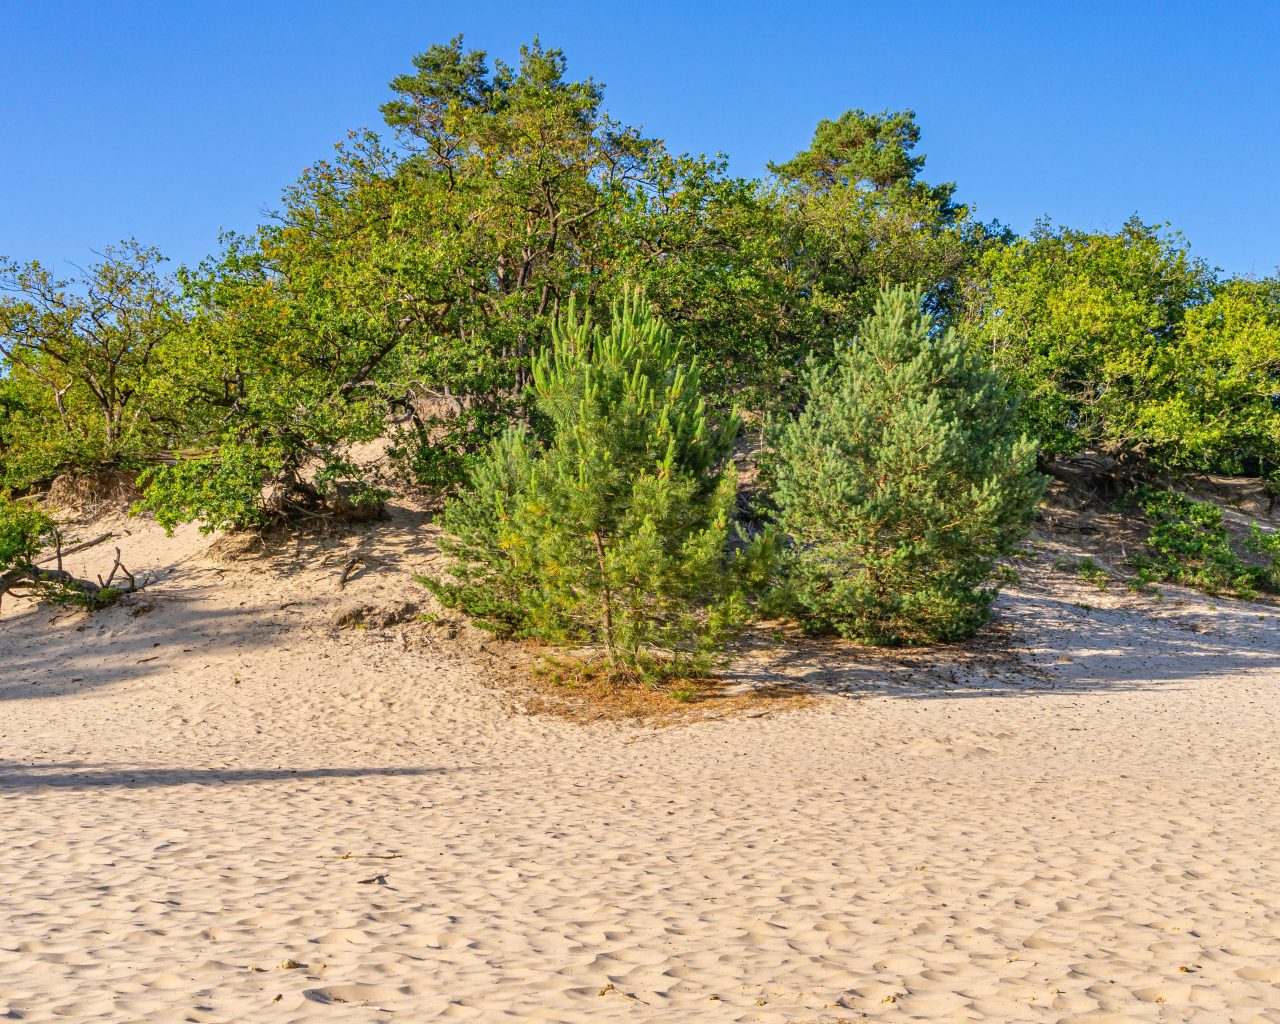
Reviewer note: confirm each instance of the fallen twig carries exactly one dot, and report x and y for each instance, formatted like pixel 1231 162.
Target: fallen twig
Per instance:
pixel 25 577
pixel 364 856
pixel 133 584
pixel 75 548
pixel 352 562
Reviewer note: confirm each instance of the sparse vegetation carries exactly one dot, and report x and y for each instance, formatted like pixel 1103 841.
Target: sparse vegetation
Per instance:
pixel 25 532
pixel 1190 544
pixel 1091 572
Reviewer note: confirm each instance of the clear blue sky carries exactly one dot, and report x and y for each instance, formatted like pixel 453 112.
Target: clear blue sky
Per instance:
pixel 167 120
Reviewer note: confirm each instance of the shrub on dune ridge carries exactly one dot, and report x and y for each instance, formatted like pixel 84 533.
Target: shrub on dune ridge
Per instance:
pixel 1190 544
pixel 1126 344
pixel 80 364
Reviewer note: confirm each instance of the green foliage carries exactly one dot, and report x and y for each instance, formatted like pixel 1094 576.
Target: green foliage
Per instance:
pixel 78 364
pixel 416 281
pixel 224 491
pixel 856 216
pixel 506 195
pixel 711 252
pixel 1189 544
pixel 1007 574
pixel 1265 545
pixel 610 524
pixel 1073 319
pixel 758 275
pixel 283 366
pixel 34 443
pixel 901 483
pixel 1124 343
pixel 1211 400
pixel 70 594
pixel 411 289
pixel 1091 572
pixel 524 191
pixel 25 530
pixel 872 151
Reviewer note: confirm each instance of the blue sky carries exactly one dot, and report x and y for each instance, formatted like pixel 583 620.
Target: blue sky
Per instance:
pixel 170 120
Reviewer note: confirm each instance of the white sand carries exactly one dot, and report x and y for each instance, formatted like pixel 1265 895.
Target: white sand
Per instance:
pixel 1097 840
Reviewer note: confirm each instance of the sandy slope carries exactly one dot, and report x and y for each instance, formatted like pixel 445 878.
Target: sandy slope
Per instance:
pixel 1092 837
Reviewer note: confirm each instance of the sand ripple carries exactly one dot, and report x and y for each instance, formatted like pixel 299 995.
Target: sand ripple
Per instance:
pixel 1100 848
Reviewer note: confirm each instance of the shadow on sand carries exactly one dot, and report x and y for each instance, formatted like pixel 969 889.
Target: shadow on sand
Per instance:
pixel 80 775
pixel 193 613
pixel 1040 642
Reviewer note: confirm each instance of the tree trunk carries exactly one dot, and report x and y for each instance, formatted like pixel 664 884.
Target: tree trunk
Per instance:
pixel 608 601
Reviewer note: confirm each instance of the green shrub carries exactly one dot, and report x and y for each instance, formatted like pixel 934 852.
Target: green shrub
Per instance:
pixel 1189 544
pixel 901 483
pixel 25 530
pixel 1091 572
pixel 435 452
pixel 610 524
pixel 224 491
pixel 1266 545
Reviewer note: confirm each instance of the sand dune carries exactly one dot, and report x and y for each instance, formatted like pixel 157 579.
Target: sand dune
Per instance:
pixel 213 808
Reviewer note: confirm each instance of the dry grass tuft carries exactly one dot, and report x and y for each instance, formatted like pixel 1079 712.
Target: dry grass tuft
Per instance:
pixel 231 548
pixel 584 692
pixel 93 493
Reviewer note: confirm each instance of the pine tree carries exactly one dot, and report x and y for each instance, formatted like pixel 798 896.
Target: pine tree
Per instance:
pixel 901 482
pixel 608 522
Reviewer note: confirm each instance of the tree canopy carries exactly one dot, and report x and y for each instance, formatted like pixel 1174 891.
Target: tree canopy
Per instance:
pixel 405 285
pixel 1126 343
